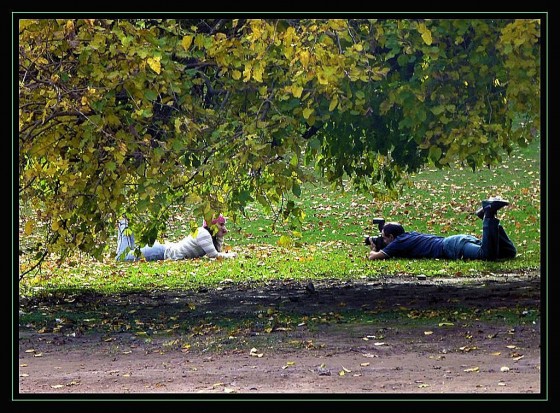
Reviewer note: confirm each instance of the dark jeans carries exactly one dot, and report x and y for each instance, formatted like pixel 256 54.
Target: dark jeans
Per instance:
pixel 495 244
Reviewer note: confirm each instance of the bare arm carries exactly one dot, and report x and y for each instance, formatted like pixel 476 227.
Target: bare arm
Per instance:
pixel 376 255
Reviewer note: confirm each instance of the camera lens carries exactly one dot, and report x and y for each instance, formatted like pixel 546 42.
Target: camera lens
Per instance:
pixel 379 243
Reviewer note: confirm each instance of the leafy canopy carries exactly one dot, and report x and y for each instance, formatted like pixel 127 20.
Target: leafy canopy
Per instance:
pixel 139 116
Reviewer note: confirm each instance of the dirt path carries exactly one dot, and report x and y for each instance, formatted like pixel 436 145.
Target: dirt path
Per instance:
pixel 397 335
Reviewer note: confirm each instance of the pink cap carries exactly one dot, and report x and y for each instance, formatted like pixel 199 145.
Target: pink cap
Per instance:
pixel 220 220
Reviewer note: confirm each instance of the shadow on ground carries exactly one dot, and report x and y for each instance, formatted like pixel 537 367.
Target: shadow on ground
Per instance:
pixel 518 295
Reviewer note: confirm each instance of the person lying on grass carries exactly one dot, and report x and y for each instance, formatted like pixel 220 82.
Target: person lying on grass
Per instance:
pixel 207 241
pixel 495 243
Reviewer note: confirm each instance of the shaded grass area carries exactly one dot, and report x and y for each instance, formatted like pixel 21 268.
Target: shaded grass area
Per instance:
pixel 234 312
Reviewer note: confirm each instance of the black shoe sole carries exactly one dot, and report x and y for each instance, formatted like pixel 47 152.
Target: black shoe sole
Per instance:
pixel 494 207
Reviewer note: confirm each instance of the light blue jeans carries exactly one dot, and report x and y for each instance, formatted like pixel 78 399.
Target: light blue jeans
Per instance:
pixel 495 244
pixel 124 241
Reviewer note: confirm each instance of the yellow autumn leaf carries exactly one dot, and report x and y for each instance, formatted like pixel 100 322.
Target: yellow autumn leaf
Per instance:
pixel 155 64
pixel 334 104
pixel 254 353
pixel 296 91
pixel 304 58
pixel 288 364
pixel 307 112
pixel 284 241
pixel 247 72
pixel 322 78
pixel 29 225
pixel 186 42
pixel 258 72
pixel 236 74
pixel 426 34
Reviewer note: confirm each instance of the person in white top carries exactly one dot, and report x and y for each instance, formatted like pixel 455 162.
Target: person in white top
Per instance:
pixel 207 240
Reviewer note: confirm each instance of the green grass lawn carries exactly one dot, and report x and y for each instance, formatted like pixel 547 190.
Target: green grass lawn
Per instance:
pixel 330 243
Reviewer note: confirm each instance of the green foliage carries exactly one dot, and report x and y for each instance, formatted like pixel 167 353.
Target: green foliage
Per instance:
pixel 142 116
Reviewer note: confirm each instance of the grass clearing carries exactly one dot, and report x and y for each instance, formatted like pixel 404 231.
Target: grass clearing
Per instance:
pixel 330 243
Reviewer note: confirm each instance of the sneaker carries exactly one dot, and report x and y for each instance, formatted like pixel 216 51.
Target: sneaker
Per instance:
pixel 493 204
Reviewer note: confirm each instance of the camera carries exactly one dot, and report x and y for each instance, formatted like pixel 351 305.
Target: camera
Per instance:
pixel 377 241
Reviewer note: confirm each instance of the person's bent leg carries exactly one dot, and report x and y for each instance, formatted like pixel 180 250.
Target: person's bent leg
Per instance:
pixel 490 238
pixel 125 239
pixel 506 248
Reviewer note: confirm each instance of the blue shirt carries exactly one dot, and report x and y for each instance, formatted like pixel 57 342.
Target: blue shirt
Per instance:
pixel 415 245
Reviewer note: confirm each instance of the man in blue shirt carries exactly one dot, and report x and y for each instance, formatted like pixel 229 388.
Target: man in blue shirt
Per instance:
pixel 495 243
